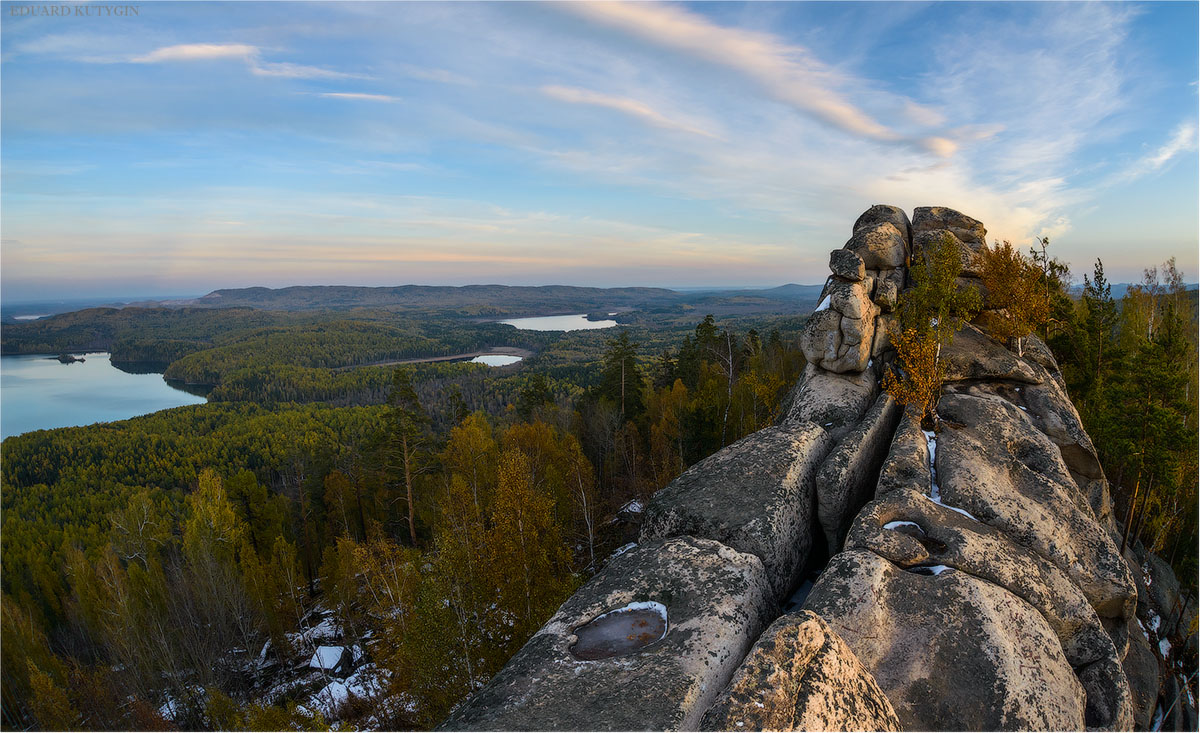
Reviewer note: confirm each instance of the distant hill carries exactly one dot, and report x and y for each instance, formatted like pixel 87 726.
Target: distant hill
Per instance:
pixel 509 299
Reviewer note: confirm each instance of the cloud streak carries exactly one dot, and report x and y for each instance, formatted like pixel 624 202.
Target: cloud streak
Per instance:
pixel 631 107
pixel 787 72
pixel 251 55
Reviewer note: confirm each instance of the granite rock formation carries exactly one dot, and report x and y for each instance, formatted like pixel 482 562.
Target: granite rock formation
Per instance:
pixel 965 580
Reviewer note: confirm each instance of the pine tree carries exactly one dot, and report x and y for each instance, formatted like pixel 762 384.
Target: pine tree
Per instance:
pixel 621 379
pixel 407 434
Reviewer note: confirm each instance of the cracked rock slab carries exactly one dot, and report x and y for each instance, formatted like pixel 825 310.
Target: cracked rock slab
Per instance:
pixel 993 462
pixel 847 478
pixel 717 600
pixel 754 496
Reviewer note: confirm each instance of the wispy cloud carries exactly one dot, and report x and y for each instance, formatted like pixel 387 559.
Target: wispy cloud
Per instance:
pixel 197 52
pixel 631 107
pixel 786 71
pixel 359 96
pixel 442 76
pixel 1183 140
pixel 251 55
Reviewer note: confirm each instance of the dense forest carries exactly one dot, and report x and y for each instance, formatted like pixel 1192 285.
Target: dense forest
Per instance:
pixel 189 556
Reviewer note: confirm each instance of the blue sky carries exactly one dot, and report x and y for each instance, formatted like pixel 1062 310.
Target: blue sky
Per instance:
pixel 194 146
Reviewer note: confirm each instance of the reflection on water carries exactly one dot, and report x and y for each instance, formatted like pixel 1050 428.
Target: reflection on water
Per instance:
pixel 38 392
pixel 576 322
pixel 496 360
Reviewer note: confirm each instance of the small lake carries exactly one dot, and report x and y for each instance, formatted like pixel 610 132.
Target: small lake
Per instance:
pixel 575 322
pixel 37 392
pixel 496 360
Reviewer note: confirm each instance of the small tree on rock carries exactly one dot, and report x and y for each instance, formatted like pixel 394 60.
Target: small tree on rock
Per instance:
pixel 929 314
pixel 1017 296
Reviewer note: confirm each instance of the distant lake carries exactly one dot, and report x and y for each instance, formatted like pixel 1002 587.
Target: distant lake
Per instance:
pixel 577 322
pixel 38 392
pixel 496 360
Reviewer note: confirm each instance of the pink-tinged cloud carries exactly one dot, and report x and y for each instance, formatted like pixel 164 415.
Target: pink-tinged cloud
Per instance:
pixel 359 96
pixel 251 55
pixel 197 52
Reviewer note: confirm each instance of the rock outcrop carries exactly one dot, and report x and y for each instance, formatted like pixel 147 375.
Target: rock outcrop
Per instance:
pixel 716 601
pixel 801 676
pixel 972 578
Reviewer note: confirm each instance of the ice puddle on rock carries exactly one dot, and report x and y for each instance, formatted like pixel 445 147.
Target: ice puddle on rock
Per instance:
pixel 621 631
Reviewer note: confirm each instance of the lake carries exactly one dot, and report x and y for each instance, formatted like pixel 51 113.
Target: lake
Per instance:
pixel 38 392
pixel 575 322
pixel 496 360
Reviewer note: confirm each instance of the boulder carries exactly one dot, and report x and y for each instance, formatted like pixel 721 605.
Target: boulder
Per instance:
pixel 847 478
pixel 950 651
pixel 716 601
pixel 895 525
pixel 836 402
pixel 852 300
pixel 821 339
pixel 847 265
pixel 968 253
pixel 993 462
pixel 801 676
pixel 929 218
pixel 755 496
pixel 887 289
pixel 882 246
pixel 974 355
pixel 883 336
pixel 882 213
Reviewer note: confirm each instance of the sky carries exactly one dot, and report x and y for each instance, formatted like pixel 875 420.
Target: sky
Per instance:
pixel 170 148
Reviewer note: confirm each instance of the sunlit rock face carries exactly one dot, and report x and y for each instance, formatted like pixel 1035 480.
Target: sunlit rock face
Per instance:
pixel 801 676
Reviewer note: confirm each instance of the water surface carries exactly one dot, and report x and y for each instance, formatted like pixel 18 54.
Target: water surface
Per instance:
pixel 496 360
pixel 574 322
pixel 38 392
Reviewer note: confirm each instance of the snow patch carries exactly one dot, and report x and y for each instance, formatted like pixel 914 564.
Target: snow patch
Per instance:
pixel 633 507
pixel 655 606
pixel 622 550
pixel 896 525
pixel 331 697
pixel 824 304
pixel 1143 628
pixel 327 658
pixel 1155 621
pixel 929 569
pixel 1164 647
pixel 935 491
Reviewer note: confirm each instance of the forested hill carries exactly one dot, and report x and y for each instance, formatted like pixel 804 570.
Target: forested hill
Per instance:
pixel 489 299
